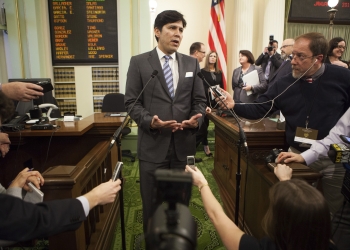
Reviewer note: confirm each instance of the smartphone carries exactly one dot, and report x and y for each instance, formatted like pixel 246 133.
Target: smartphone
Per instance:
pixel 117 170
pixel 46 85
pixel 191 161
pixel 35 196
pixel 216 89
pixel 345 139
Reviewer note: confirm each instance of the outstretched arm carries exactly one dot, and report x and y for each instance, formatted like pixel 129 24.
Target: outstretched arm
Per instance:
pixel 21 91
pixel 229 233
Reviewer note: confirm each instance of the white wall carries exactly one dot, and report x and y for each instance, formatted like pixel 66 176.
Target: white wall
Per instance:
pixel 196 14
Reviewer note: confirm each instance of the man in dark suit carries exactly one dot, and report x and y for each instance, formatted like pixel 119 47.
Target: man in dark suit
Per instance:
pixel 171 108
pixel 269 60
pixel 197 50
pixel 286 67
pixel 21 221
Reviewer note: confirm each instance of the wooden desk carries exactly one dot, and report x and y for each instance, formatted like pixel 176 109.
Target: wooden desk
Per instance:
pixel 72 158
pixel 261 138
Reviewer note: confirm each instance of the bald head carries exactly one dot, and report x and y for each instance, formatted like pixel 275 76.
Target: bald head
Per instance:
pixel 287 48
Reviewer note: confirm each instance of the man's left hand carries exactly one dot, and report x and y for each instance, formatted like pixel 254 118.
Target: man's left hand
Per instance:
pixel 192 122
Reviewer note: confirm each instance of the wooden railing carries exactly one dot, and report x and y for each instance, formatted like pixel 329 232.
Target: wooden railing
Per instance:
pixel 71 181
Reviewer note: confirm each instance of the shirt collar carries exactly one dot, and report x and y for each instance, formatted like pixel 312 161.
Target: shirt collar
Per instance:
pixel 318 73
pixel 161 54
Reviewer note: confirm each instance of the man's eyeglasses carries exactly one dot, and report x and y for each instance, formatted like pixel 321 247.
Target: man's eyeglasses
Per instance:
pixel 202 52
pixel 300 57
pixel 341 47
pixel 284 46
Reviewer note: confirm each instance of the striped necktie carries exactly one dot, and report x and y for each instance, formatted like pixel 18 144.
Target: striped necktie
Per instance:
pixel 168 76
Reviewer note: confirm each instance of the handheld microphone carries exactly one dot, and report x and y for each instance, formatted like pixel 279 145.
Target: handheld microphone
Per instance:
pixel 118 131
pixel 218 93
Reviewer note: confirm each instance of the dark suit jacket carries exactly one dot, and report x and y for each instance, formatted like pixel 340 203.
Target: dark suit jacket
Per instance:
pixel 189 100
pixel 283 70
pixel 21 221
pixel 276 62
pixel 212 82
pixel 241 95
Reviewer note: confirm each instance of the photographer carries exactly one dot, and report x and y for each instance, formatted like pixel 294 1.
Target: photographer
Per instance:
pixel 297 218
pixel 270 60
pixel 332 180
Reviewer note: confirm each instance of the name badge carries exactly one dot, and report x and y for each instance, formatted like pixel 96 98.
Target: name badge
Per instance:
pixel 306 136
pixel 189 74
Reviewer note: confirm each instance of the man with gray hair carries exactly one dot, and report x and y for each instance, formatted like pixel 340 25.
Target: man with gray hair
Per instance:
pixel 286 67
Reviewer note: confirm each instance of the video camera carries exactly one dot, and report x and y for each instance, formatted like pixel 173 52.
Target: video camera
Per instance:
pixel 340 153
pixel 270 47
pixel 172 225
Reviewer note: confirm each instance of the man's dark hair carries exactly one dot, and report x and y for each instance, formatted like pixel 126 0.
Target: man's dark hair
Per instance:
pixel 195 47
pixel 6 107
pixel 249 55
pixel 333 43
pixel 168 16
pixel 318 43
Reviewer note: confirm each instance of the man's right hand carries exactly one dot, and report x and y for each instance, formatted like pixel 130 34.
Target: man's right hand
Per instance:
pixel 158 124
pixel 104 193
pixel 288 157
pixel 227 99
pixel 4 144
pixel 4 138
pixel 22 91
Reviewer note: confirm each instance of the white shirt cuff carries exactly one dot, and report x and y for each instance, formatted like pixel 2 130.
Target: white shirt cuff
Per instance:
pixel 85 204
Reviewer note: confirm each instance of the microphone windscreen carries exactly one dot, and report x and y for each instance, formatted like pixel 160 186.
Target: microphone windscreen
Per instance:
pixel 200 74
pixel 154 73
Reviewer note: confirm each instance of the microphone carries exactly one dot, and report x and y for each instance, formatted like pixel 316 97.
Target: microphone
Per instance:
pixel 118 131
pixel 242 141
pixel 219 93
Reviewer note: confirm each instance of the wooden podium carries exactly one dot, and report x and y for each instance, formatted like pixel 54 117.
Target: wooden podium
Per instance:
pixel 262 137
pixel 73 159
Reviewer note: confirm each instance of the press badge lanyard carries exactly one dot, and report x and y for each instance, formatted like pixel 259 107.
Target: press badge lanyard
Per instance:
pixel 312 104
pixel 306 136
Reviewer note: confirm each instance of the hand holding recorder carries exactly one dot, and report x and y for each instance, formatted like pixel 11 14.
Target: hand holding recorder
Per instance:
pixel 227 98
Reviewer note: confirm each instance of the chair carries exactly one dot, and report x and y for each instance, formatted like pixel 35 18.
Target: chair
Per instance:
pixel 114 102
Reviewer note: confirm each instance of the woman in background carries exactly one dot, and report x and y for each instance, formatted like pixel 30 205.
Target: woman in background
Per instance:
pixel 213 75
pixel 336 49
pixel 246 59
pixel 297 217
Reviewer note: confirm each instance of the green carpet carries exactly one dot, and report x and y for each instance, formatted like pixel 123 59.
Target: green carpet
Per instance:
pixel 207 237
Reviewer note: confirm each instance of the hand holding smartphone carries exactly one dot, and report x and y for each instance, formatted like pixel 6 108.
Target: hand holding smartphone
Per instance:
pixel 35 196
pixel 216 89
pixel 191 161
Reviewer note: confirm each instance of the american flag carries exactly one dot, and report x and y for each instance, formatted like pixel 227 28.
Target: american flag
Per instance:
pixel 217 36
